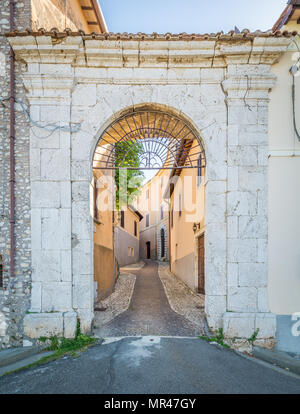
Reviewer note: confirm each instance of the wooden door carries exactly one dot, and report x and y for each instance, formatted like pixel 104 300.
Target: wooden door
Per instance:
pixel 201 270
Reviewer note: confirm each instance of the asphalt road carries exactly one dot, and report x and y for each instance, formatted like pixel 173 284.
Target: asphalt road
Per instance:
pixel 155 365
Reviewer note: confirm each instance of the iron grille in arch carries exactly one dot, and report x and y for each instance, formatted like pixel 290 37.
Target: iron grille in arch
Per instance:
pixel 158 139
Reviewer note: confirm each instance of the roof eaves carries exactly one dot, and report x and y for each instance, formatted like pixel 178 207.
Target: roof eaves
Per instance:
pixel 230 36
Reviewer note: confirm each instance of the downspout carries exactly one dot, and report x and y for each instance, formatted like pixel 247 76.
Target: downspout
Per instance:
pixel 11 146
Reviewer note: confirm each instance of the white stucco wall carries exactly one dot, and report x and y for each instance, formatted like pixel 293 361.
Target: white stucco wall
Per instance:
pixel 284 190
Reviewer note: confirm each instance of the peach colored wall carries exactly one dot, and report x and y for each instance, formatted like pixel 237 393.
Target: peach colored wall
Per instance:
pixel 59 14
pixel 103 244
pixel 182 236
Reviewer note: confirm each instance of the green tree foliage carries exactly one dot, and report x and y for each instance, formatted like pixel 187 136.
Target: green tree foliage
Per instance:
pixel 128 182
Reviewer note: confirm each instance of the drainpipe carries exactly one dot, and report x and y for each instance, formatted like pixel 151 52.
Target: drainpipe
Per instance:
pixel 11 145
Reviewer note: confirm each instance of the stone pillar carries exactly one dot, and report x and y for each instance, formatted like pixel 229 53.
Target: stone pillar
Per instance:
pixel 247 88
pixel 51 311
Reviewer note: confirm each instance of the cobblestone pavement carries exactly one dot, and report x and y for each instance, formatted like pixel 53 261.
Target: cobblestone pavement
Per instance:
pixel 181 298
pixel 116 303
pixel 149 312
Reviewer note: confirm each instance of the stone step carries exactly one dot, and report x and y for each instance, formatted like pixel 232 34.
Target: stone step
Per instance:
pixel 23 363
pixel 12 355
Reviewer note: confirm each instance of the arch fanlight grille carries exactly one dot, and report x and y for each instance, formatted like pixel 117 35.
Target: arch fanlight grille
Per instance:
pixel 161 140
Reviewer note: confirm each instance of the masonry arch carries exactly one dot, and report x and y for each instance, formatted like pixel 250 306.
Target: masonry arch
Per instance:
pixel 166 140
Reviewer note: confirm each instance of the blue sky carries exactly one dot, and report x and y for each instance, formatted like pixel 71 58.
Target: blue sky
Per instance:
pixel 190 16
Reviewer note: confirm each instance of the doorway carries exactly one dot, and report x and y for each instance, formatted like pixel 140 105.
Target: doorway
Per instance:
pixel 148 250
pixel 201 266
pixel 162 243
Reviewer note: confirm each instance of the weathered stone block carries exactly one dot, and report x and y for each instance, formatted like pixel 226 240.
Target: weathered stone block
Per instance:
pixel 232 227
pixel 253 227
pixel 233 179
pixel 55 164
pixel 82 258
pixel 84 95
pixel 43 324
pixel 56 296
pixel 36 297
pixel 215 282
pixel 241 203
pixel 253 179
pixel 242 250
pixel 245 155
pixel 45 194
pixel 238 325
pixel 86 317
pixel 253 274
pixel 242 299
pixel 232 274
pixel 45 265
pixel 70 324
pixel 56 229
pixel 266 323
pixel 262 300
pixel 36 228
pixel 215 306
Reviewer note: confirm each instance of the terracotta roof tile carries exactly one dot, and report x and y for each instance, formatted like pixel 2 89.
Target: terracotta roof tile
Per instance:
pixel 245 34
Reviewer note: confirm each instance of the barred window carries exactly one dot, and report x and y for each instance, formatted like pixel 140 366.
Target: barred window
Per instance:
pixel 199 169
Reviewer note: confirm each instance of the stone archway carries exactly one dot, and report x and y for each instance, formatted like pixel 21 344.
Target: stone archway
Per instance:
pixel 85 93
pixel 109 134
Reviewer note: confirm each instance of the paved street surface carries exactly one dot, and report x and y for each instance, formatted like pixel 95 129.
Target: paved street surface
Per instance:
pixel 149 311
pixel 153 365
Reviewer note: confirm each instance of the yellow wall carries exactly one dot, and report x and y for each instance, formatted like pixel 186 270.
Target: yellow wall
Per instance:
pixel 284 189
pixel 103 242
pixel 182 236
pixel 58 13
pixel 103 226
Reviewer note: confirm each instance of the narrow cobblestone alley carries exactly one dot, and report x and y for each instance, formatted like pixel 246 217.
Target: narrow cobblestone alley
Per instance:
pixel 149 312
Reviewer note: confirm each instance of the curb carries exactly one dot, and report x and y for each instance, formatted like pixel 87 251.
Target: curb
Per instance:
pixel 281 359
pixel 12 355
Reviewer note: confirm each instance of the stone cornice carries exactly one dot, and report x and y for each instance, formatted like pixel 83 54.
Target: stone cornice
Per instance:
pixel 99 53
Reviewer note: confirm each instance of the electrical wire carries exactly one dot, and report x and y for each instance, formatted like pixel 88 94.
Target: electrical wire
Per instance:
pixel 294 108
pixel 294 91
pixel 49 127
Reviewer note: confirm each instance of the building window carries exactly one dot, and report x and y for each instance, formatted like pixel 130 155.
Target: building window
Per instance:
pixel 135 229
pixel 147 194
pixel 122 219
pixel 180 204
pixel 1 271
pixel 161 212
pixel 147 220
pixel 199 170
